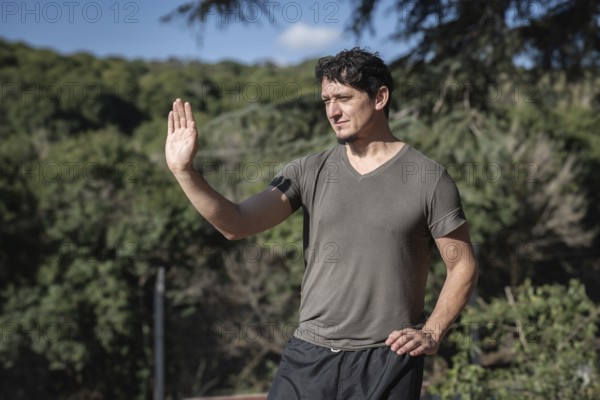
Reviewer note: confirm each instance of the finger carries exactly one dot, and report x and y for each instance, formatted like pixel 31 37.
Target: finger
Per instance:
pixel 395 335
pixel 170 123
pixel 188 113
pixel 175 116
pixel 392 337
pixel 404 345
pixel 181 112
pixel 410 346
pixel 408 340
pixel 401 342
pixel 422 349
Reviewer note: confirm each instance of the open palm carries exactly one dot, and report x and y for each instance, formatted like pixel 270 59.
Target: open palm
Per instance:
pixel 181 144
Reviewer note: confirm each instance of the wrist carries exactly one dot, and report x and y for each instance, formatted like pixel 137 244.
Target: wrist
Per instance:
pixel 183 173
pixel 434 330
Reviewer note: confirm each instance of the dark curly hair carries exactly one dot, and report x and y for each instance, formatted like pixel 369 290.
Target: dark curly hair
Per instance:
pixel 359 69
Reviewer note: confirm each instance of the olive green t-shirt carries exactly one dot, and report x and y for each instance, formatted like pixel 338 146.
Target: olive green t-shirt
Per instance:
pixel 368 241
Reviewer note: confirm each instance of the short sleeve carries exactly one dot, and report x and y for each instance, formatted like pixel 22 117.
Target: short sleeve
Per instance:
pixel 444 209
pixel 288 181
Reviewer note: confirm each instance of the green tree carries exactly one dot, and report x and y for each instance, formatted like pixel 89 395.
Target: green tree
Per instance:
pixel 518 189
pixel 83 315
pixel 532 344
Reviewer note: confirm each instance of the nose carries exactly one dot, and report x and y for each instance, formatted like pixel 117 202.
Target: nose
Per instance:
pixel 333 110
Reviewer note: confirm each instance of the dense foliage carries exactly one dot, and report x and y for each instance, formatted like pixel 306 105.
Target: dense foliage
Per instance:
pixel 88 212
pixel 532 344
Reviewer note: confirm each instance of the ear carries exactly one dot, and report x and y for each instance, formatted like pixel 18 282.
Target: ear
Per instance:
pixel 382 97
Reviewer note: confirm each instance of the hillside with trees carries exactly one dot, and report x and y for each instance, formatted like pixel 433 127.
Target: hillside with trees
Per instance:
pixel 89 211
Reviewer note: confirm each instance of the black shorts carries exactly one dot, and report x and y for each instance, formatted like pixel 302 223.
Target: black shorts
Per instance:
pixel 311 372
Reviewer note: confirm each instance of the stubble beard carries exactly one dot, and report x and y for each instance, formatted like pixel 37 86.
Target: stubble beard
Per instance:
pixel 348 139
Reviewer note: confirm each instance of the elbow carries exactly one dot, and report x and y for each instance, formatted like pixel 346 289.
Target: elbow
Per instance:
pixel 475 268
pixel 232 236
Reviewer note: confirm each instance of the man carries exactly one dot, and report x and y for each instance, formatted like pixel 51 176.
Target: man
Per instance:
pixel 373 207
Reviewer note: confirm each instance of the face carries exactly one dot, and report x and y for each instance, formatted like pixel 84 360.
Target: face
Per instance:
pixel 349 111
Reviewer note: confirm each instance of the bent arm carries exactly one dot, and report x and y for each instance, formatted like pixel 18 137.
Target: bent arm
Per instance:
pixel 461 279
pixel 235 221
pixel 256 214
pixel 457 253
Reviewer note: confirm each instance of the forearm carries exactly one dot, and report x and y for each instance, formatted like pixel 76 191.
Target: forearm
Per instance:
pixel 454 296
pixel 220 212
pixel 233 220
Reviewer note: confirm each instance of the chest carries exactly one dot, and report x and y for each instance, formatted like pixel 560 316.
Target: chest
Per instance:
pixel 377 204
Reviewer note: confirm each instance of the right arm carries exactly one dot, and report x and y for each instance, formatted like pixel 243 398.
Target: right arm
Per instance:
pixel 235 221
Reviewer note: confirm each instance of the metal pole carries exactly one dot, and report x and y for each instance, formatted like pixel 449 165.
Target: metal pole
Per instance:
pixel 472 302
pixel 159 334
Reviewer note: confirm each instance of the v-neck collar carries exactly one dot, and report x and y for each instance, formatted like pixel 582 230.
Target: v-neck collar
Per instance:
pixel 380 169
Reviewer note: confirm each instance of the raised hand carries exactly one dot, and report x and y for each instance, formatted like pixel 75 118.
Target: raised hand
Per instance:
pixel 181 144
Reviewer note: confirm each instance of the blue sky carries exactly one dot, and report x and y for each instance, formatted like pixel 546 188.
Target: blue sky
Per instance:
pixel 132 29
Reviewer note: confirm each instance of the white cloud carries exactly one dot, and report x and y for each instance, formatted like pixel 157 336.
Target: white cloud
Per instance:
pixel 303 37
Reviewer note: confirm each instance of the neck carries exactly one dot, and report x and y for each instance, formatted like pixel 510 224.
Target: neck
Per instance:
pixel 378 143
